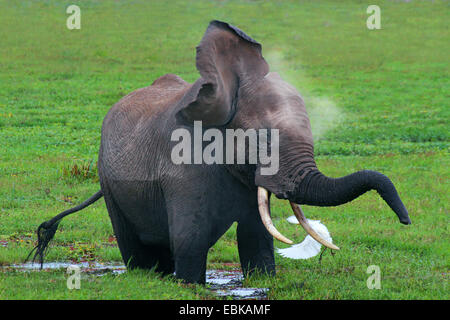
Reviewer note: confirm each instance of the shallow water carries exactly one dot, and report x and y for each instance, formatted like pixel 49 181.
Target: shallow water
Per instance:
pixel 229 284
pixel 224 283
pixel 96 268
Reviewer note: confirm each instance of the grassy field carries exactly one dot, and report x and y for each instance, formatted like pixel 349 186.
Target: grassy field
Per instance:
pixel 377 99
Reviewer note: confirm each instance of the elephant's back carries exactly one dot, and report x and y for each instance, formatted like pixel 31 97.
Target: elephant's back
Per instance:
pixel 139 111
pixel 134 124
pixel 147 102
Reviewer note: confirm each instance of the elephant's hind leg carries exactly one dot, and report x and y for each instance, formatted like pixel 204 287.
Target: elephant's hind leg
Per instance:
pixel 135 253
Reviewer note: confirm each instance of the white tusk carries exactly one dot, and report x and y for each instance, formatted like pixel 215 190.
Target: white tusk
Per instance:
pixel 304 223
pixel 264 211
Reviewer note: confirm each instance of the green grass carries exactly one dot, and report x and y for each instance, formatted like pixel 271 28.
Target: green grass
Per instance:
pixel 133 285
pixel 377 99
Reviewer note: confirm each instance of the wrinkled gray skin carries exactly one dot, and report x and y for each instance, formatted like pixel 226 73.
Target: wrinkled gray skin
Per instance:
pixel 168 215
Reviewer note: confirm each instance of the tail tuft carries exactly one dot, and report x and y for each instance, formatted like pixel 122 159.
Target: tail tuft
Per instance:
pixel 45 233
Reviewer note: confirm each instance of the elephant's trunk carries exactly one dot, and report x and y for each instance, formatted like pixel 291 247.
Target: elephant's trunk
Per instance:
pixel 319 190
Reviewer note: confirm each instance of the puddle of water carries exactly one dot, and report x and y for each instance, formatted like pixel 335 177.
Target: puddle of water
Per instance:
pixel 96 268
pixel 245 293
pixel 229 284
pixel 222 282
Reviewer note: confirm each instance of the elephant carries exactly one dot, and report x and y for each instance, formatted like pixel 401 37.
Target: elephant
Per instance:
pixel 167 216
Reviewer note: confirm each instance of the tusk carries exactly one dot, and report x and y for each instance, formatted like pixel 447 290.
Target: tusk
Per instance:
pixel 264 211
pixel 304 223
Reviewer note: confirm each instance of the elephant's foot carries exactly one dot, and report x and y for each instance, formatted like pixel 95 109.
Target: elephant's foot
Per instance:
pixel 191 268
pixel 258 265
pixel 151 257
pixel 255 246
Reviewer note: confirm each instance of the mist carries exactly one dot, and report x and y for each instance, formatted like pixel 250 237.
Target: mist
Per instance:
pixel 323 112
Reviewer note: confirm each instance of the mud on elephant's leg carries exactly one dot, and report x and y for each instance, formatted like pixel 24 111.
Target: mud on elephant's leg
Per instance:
pixel 255 245
pixel 135 253
pixel 190 255
pixel 191 268
pixel 189 237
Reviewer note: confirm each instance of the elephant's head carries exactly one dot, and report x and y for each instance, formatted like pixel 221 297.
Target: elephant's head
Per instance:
pixel 236 90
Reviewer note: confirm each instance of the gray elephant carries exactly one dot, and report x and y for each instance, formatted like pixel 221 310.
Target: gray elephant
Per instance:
pixel 167 215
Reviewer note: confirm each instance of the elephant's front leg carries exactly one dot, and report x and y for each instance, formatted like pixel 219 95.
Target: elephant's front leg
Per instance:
pixel 189 247
pixel 255 244
pixel 190 226
pixel 201 208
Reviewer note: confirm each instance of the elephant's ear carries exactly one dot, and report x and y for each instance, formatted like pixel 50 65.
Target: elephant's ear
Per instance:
pixel 227 60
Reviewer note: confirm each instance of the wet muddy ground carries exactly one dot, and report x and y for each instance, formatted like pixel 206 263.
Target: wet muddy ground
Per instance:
pixel 224 283
pixel 229 284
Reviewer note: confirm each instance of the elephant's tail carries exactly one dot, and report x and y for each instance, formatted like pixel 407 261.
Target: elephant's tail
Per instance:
pixel 47 229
